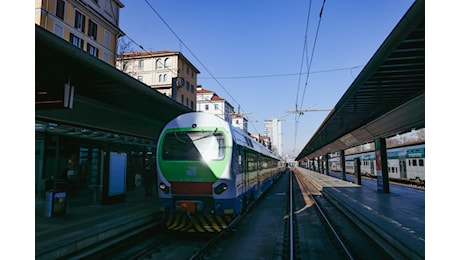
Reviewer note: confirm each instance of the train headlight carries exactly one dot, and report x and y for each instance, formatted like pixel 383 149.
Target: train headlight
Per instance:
pixel 164 188
pixel 221 188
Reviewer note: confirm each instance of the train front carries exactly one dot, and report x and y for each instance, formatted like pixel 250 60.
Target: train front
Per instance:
pixel 194 180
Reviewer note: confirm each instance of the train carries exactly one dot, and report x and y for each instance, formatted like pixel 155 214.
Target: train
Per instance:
pixel 209 172
pixel 405 164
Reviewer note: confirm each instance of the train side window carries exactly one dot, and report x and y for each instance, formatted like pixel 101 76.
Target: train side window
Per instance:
pixel 420 162
pixel 414 162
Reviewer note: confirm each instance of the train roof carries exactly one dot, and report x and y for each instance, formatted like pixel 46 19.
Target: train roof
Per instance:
pixel 207 119
pixel 242 138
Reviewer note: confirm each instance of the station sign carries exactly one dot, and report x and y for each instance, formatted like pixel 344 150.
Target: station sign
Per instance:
pixel 54 98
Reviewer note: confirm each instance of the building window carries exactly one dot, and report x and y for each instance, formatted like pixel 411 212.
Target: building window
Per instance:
pixel 140 78
pixel 158 64
pixel 206 107
pixel 140 64
pixel 92 50
pixel 182 101
pixel 216 106
pixel 165 77
pixel 192 88
pixel 187 101
pixel 105 57
pixel 79 21
pixel 106 38
pixel 92 29
pixel 167 63
pixel 188 85
pixel 59 30
pixel 76 41
pixel 60 7
pixel 192 105
pixel 160 78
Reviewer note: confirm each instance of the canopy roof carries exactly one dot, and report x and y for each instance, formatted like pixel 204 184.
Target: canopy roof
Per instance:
pixel 387 97
pixel 105 98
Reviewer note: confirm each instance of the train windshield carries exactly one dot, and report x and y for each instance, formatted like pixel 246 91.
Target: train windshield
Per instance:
pixel 193 146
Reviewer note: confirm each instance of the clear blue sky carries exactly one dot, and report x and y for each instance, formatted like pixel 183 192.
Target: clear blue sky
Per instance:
pixel 250 52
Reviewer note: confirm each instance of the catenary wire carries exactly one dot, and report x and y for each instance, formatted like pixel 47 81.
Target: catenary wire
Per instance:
pixel 309 63
pixel 199 61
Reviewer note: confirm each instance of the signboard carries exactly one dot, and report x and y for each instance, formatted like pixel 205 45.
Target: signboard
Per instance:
pixel 117 173
pixel 53 98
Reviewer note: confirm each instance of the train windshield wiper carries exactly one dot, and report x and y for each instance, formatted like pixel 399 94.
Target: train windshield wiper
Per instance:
pixel 206 136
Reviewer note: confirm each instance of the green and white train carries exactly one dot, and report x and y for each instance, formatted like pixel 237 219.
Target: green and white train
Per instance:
pixel 209 172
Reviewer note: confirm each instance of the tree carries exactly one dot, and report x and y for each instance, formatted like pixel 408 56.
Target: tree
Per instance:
pixel 124 46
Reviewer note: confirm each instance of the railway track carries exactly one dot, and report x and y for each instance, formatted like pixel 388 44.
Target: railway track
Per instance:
pixel 307 225
pixel 156 242
pixel 354 236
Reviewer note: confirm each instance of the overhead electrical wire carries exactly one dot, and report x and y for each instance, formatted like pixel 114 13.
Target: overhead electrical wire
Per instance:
pixel 298 108
pixel 304 52
pixel 191 52
pixel 283 75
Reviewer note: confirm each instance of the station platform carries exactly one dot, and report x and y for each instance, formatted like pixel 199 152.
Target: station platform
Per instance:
pixel 397 216
pixel 85 223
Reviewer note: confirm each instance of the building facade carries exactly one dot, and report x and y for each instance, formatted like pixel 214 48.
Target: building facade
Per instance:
pixel 273 131
pixel 209 101
pixel 166 71
pixel 240 121
pixel 92 25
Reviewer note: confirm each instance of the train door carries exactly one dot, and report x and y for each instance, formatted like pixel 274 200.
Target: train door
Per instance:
pixel 403 168
pixel 372 162
pixel 259 177
pixel 243 163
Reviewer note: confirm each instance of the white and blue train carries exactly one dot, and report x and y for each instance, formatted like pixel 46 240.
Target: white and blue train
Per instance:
pixel 406 164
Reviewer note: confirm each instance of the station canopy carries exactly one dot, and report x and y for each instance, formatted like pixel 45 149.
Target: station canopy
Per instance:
pixel 387 97
pixel 84 96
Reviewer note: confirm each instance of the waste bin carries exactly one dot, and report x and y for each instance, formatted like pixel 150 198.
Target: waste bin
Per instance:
pixel 55 203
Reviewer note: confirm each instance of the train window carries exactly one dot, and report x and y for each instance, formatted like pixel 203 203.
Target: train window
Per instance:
pixel 194 145
pixel 414 162
pixel 420 162
pixel 251 163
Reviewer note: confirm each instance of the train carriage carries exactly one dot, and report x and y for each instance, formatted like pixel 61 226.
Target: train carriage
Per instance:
pixel 209 171
pixel 405 164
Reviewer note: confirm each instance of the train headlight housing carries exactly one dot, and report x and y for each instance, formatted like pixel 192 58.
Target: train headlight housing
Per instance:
pixel 221 188
pixel 164 188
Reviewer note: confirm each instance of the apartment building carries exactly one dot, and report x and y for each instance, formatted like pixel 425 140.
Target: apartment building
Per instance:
pixel 238 120
pixel 92 25
pixel 209 101
pixel 168 72
pixel 273 132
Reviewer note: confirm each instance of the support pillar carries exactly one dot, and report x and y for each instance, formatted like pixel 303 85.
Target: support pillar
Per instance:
pixel 314 164
pixel 381 161
pixel 357 167
pixel 327 164
pixel 342 165
pixel 321 165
